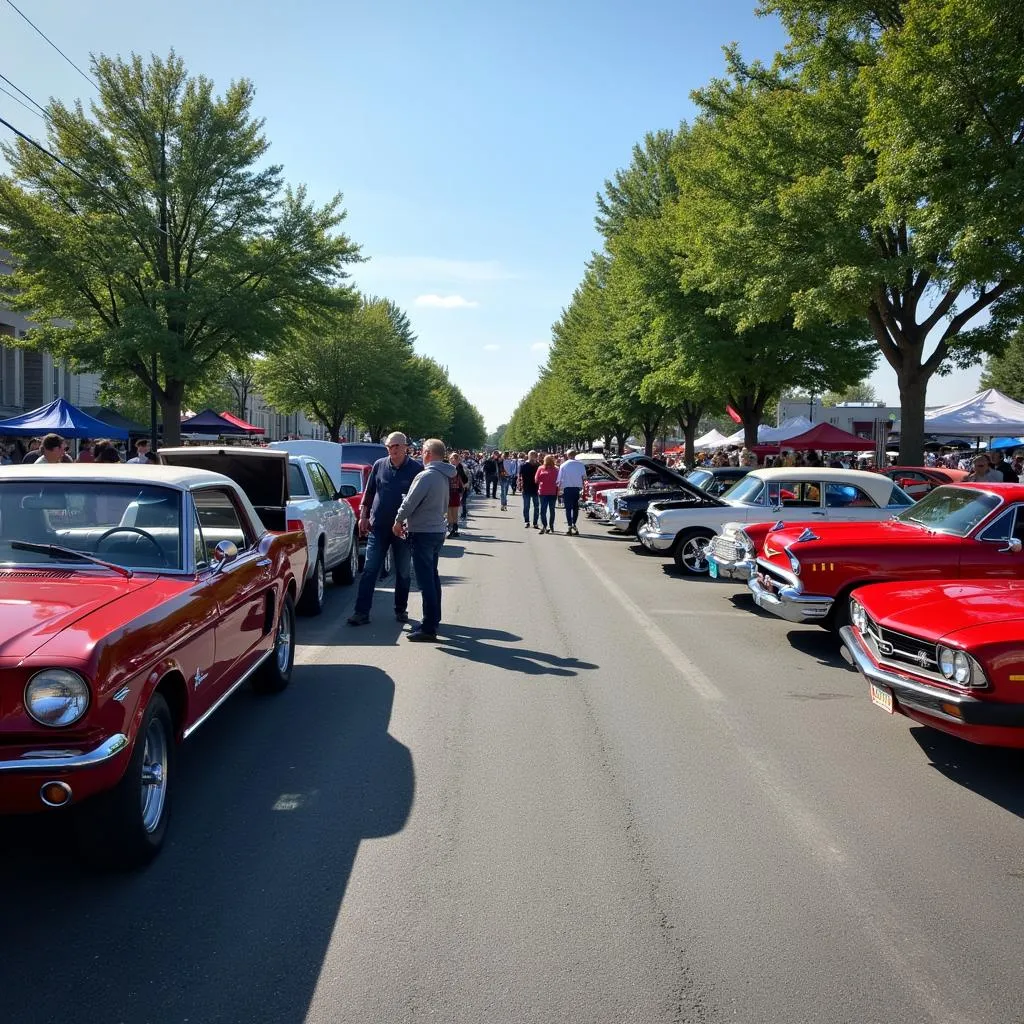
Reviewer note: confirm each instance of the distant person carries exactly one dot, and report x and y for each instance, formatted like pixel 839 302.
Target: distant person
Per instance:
pixel 528 485
pixel 85 453
pixel 571 476
pixel 1008 473
pixel 420 522
pixel 546 480
pixel 105 452
pixel 54 449
pixel 386 487
pixel 33 453
pixel 492 474
pixel 457 487
pixel 141 453
pixel 983 472
pixel 511 474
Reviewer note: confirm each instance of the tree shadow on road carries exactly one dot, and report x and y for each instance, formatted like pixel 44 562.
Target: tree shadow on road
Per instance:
pixel 233 920
pixel 473 645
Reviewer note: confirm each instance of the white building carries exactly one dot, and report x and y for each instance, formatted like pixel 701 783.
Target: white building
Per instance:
pixel 866 419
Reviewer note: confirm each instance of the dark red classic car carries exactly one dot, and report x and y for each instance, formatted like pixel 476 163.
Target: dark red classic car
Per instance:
pixel 967 531
pixel 135 600
pixel 948 655
pixel 917 481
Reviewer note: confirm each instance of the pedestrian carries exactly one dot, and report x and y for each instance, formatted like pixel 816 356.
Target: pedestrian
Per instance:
pixel 104 451
pixel 420 521
pixel 512 471
pixel 33 453
pixel 141 451
pixel 528 485
pixel 85 453
pixel 546 479
pixel 1001 466
pixel 457 487
pixel 386 487
pixel 983 472
pixel 505 475
pixel 54 449
pixel 571 476
pixel 492 474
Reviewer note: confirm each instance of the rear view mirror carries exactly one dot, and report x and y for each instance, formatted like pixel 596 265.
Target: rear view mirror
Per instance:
pixel 48 502
pixel 346 491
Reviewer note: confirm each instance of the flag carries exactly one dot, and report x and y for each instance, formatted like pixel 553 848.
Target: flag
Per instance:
pixel 733 414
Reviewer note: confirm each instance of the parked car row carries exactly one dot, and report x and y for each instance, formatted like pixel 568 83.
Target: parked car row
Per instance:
pixel 927 596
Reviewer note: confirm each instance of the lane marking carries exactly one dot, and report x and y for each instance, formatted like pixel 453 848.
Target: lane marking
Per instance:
pixel 693 676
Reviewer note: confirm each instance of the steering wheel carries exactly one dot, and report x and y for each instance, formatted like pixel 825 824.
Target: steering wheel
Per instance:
pixel 134 529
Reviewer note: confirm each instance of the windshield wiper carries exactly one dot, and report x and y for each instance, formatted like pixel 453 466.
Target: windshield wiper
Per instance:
pixel 55 550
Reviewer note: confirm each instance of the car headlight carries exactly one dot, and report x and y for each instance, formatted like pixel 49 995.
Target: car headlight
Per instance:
pixel 56 697
pixel 858 616
pixel 956 666
pixel 794 562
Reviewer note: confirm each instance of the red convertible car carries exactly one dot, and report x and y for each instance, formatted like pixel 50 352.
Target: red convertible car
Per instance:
pixel 948 655
pixel 967 531
pixel 135 600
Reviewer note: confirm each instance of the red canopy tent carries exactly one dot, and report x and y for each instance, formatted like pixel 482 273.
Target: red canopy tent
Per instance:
pixel 249 428
pixel 822 437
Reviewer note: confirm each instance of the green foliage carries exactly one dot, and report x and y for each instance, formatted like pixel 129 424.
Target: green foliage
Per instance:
pixel 496 439
pixel 862 392
pixel 1006 372
pixel 167 232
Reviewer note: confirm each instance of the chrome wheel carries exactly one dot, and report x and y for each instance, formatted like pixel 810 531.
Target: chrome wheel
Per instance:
pixel 154 774
pixel 693 554
pixel 283 641
pixel 321 580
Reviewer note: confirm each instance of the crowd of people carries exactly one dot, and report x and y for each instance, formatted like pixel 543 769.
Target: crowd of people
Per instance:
pixel 54 448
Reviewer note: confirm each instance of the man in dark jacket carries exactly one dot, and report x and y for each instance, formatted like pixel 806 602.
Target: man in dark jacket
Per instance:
pixel 386 488
pixel 1000 465
pixel 492 473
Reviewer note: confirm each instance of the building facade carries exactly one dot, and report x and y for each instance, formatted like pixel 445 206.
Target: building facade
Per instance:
pixel 866 419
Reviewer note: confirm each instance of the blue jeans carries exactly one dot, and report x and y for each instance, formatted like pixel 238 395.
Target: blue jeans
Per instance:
pixel 571 500
pixel 504 490
pixel 377 545
pixel 529 498
pixel 547 510
pixel 426 549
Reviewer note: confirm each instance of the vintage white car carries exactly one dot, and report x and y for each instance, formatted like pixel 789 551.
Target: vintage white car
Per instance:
pixel 687 531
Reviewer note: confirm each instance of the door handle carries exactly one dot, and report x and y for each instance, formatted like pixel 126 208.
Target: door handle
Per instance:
pixel 818 512
pixel 264 562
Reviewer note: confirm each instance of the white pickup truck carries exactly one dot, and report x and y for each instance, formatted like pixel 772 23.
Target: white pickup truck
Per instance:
pixel 300 491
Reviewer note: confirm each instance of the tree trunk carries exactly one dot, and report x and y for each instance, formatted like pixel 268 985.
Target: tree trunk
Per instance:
pixel 621 437
pixel 689 414
pixel 170 408
pixel 750 408
pixel 913 384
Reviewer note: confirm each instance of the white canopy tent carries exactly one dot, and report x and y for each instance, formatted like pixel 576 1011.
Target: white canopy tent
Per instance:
pixel 988 414
pixel 772 435
pixel 712 439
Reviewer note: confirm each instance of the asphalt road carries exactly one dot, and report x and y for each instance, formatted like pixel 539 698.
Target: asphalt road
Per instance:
pixel 610 795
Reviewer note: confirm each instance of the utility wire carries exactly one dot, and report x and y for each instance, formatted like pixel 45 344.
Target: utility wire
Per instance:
pixel 42 109
pixel 27 19
pixel 31 110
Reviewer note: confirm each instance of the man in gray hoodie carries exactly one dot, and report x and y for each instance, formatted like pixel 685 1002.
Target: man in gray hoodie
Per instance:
pixel 422 518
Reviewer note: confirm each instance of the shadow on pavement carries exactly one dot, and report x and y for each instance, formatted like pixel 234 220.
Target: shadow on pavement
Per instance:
pixel 821 644
pixel 232 921
pixel 471 644
pixel 745 600
pixel 995 773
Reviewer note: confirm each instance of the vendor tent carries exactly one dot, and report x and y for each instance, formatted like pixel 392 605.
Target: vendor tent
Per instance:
pixel 114 419
pixel 1002 443
pixel 249 428
pixel 988 414
pixel 208 422
pixel 712 439
pixel 59 417
pixel 823 437
pixel 772 435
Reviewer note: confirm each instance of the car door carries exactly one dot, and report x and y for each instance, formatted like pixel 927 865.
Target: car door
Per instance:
pixel 329 514
pixel 988 554
pixel 239 586
pixel 800 500
pixel 846 502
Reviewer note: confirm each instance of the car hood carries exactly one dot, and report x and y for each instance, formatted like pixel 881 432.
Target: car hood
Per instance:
pixel 262 473
pixel 846 536
pixel 934 611
pixel 36 607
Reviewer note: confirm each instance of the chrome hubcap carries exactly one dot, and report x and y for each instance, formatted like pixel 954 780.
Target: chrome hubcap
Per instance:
pixel 695 554
pixel 321 582
pixel 284 642
pixel 154 775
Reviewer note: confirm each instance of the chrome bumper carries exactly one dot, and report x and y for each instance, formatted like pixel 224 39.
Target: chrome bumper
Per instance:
pixel 744 570
pixel 789 603
pixel 54 760
pixel 655 541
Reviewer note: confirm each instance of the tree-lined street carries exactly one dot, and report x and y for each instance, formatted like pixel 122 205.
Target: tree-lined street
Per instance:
pixel 609 794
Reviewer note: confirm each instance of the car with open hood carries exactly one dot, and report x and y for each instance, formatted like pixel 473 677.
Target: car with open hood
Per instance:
pixel 962 531
pixel 624 509
pixel 688 532
pixel 298 492
pixel 135 600
pixel 949 655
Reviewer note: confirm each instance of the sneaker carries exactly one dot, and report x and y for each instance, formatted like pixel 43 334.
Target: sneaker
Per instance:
pixel 421 636
pixel 358 619
pixel 543 530
pixel 527 525
pixel 568 532
pixel 401 616
pixel 535 526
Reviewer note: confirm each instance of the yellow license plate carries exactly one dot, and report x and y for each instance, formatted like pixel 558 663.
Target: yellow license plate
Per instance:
pixel 882 697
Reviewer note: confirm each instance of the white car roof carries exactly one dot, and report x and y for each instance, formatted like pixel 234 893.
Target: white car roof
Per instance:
pixel 110 472
pixel 879 487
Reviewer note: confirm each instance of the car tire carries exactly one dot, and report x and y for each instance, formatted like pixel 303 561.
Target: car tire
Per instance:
pixel 125 827
pixel 276 672
pixel 839 613
pixel 690 552
pixel 345 574
pixel 635 523
pixel 312 600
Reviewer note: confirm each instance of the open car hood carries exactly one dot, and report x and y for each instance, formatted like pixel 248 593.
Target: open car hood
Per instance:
pixel 669 476
pixel 262 473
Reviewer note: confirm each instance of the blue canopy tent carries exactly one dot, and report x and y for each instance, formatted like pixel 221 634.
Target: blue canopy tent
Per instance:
pixel 1001 443
pixel 208 422
pixel 59 417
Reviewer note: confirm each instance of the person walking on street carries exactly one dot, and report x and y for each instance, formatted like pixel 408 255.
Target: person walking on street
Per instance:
pixel 528 485
pixel 512 469
pixel 509 468
pixel 421 521
pixel 386 487
pixel 492 465
pixel 546 479
pixel 456 492
pixel 571 476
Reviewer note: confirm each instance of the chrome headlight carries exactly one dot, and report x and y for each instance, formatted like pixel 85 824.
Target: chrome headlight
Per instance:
pixel 956 666
pixel 858 616
pixel 56 697
pixel 794 562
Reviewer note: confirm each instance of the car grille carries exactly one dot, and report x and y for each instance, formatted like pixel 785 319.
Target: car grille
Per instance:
pixel 727 550
pixel 902 652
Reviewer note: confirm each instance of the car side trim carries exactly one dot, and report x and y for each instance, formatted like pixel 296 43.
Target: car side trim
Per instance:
pixel 54 760
pixel 224 696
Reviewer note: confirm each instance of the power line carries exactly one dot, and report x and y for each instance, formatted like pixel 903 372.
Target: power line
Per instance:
pixel 31 110
pixel 52 156
pixel 42 109
pixel 29 21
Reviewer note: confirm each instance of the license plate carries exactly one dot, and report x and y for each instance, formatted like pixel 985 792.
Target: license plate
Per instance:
pixel 882 697
pixel 712 568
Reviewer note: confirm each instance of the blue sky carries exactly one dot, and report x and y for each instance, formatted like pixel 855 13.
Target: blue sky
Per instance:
pixel 468 139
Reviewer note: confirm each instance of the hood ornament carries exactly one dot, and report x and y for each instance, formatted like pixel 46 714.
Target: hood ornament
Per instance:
pixel 808 534
pixel 780 525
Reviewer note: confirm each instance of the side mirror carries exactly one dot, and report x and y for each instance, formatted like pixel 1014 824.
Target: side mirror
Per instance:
pixel 1013 547
pixel 224 552
pixel 346 491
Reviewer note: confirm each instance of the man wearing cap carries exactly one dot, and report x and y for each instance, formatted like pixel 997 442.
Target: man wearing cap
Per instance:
pixel 386 488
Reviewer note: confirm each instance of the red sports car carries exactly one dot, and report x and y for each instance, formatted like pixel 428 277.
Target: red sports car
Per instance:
pixel 135 600
pixel 948 655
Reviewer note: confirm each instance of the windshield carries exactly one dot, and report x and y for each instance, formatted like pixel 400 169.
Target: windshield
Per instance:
pixel 700 478
pixel 748 491
pixel 353 478
pixel 954 510
pixel 131 525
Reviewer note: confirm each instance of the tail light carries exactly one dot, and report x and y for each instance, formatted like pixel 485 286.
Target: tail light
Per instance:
pixel 295 525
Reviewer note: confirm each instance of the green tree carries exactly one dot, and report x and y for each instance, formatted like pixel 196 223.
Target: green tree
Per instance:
pixel 496 439
pixel 163 238
pixel 862 392
pixel 1006 372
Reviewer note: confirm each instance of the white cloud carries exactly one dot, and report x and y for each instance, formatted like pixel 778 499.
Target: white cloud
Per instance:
pixel 540 346
pixel 424 268
pixel 491 348
pixel 445 302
